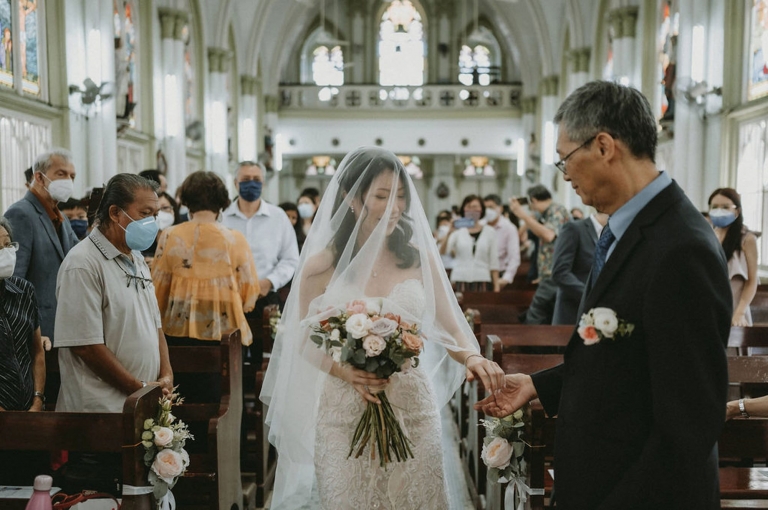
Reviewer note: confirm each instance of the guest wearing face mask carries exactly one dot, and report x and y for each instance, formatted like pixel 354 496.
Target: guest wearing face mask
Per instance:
pixel 270 236
pixel 307 206
pixel 444 219
pixel 77 214
pixel 474 247
pixel 740 246
pixel 44 234
pixel 167 216
pixel 507 238
pixel 22 358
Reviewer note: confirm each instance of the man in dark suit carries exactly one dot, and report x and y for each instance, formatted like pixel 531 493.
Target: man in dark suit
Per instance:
pixel 574 253
pixel 639 410
pixel 42 231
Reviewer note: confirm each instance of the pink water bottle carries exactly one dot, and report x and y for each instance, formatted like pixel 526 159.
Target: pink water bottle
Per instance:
pixel 41 498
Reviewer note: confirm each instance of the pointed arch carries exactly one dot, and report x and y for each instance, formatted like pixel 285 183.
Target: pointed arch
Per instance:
pixel 543 38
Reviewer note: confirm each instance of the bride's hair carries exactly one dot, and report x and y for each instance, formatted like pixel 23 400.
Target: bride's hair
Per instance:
pixel 361 171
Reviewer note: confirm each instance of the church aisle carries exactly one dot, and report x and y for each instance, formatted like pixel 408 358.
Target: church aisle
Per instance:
pixel 458 492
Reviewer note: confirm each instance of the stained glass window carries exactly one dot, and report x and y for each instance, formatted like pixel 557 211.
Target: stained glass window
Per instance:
pixel 6 44
pixel 479 166
pixel 670 28
pixel 752 180
pixel 475 65
pixel 757 85
pixel 28 38
pixel 126 55
pixel 328 66
pixel 401 45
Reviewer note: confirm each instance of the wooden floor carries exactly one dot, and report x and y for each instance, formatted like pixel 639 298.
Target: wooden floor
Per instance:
pixel 458 493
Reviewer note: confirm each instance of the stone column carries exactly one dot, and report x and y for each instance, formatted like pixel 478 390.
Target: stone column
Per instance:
pixel 248 144
pixel 549 102
pixel 355 52
pixel 217 125
pixel 624 22
pixel 578 68
pixel 532 148
pixel 445 12
pixel 172 23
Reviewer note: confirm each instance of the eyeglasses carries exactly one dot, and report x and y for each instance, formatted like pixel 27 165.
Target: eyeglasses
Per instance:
pixel 13 246
pixel 561 164
pixel 722 207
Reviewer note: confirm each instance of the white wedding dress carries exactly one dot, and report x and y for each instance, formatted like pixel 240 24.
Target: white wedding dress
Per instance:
pixel 360 483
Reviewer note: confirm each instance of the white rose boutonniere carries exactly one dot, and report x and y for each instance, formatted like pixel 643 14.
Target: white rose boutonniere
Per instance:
pixel 600 323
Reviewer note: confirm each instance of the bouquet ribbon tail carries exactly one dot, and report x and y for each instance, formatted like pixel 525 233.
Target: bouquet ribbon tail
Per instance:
pixel 517 485
pixel 167 502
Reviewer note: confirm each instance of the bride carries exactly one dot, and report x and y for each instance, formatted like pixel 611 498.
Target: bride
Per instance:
pixel 370 240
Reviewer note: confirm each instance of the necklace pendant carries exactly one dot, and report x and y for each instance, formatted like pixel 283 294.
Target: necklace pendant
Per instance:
pixel 374 274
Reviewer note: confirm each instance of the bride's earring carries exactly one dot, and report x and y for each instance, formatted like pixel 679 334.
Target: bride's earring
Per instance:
pixel 352 209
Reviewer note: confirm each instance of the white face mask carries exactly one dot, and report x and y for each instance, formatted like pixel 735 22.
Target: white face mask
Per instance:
pixel 306 210
pixel 184 210
pixel 491 215
pixel 7 262
pixel 442 231
pixel 164 219
pixel 60 189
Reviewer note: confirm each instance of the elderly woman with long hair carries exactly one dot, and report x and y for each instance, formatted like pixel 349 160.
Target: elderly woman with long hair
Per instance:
pixel 740 246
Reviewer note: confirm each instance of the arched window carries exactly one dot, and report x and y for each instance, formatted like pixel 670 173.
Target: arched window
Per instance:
pixel 401 45
pixel 126 60
pixel 479 166
pixel 328 66
pixel 479 58
pixel 668 32
pixel 21 41
pixel 321 165
pixel 757 71
pixel 412 166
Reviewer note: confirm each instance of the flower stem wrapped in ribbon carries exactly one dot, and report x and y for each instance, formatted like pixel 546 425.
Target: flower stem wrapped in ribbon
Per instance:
pixel 383 344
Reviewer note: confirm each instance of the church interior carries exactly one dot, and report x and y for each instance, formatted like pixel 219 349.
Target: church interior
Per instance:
pixel 463 92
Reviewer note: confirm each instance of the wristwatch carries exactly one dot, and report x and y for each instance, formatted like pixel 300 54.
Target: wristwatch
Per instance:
pixel 39 394
pixel 742 409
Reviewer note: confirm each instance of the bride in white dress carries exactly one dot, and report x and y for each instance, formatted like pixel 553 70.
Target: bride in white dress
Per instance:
pixel 370 240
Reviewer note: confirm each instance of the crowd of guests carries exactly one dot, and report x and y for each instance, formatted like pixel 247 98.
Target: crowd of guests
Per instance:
pixel 150 270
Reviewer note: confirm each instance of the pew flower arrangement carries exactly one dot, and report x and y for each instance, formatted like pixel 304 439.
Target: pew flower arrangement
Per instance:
pixel 274 323
pixel 164 439
pixel 360 335
pixel 601 323
pixel 503 448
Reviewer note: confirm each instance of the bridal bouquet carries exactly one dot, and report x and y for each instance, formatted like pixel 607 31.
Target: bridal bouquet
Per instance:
pixel 503 448
pixel 383 344
pixel 164 439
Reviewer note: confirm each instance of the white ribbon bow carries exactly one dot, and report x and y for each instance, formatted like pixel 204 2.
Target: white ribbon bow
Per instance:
pixel 517 484
pixel 167 502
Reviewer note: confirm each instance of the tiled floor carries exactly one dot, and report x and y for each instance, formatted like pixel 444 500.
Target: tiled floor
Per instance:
pixel 458 493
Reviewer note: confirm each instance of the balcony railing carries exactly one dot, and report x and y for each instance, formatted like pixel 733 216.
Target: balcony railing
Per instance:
pixel 426 97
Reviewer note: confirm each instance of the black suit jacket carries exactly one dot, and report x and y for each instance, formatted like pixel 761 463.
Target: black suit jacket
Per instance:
pixel 639 416
pixel 574 252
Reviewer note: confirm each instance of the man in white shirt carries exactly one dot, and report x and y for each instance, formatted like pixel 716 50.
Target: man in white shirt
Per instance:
pixel 269 233
pixel 507 239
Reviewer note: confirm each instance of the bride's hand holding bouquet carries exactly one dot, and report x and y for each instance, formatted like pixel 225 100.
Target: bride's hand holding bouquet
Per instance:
pixel 365 383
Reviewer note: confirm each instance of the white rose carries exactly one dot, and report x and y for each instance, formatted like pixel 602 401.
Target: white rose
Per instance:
pixel 497 453
pixel 358 325
pixel 336 354
pixel 335 334
pixel 168 465
pixel 373 308
pixel 586 320
pixel 383 327
pixel 605 321
pixel 163 437
pixel 374 345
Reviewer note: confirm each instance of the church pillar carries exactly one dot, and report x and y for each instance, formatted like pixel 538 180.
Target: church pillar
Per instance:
pixel 217 126
pixel 548 134
pixel 172 23
pixel 356 50
pixel 446 56
pixel 532 147
pixel 578 68
pixel 624 23
pixel 248 145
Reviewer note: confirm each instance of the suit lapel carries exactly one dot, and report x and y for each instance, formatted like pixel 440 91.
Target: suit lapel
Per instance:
pixel 626 246
pixel 591 232
pixel 47 224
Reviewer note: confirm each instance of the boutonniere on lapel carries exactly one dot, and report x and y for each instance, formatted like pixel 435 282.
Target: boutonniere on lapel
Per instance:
pixel 600 323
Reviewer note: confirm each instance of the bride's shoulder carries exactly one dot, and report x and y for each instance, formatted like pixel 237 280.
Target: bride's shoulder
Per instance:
pixel 318 264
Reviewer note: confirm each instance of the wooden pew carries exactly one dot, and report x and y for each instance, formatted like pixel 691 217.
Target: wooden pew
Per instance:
pixel 213 478
pixel 503 339
pixel 759 306
pixel 742 339
pixel 88 432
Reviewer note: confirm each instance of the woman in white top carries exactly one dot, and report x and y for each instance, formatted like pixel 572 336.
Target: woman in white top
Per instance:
pixel 474 248
pixel 740 246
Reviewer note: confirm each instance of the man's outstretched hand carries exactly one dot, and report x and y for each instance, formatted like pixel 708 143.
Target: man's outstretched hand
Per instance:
pixel 517 392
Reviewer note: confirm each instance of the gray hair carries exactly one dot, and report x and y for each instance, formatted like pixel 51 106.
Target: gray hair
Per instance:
pixel 622 112
pixel 44 161
pixel 4 223
pixel 251 163
pixel 121 192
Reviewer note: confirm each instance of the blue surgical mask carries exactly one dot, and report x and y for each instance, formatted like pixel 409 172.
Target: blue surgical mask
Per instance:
pixel 140 234
pixel 721 218
pixel 250 191
pixel 79 227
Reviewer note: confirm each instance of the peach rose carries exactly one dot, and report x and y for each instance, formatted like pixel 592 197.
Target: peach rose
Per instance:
pixel 374 345
pixel 497 453
pixel 163 437
pixel 589 335
pixel 168 465
pixel 412 342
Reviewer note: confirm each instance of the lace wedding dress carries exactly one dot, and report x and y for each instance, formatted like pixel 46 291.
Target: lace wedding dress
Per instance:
pixel 360 483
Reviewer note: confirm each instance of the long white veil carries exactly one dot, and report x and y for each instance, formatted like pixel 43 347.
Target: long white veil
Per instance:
pixel 350 236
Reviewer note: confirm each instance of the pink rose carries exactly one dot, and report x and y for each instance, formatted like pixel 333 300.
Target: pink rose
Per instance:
pixel 412 342
pixel 589 335
pixel 163 436
pixel 168 465
pixel 356 307
pixel 374 345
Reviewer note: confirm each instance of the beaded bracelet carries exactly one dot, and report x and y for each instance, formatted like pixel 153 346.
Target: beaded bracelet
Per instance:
pixel 467 358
